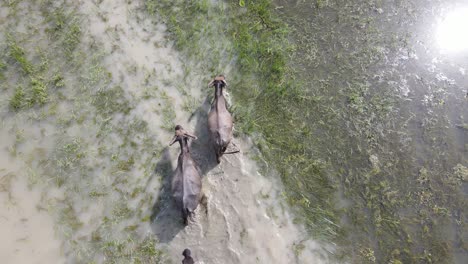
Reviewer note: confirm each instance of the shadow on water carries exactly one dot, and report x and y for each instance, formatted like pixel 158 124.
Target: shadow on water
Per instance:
pixel 201 149
pixel 166 221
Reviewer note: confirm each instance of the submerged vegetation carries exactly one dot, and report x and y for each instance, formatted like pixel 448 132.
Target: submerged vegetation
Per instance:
pixel 376 172
pixel 37 92
pixel 345 142
pixel 56 81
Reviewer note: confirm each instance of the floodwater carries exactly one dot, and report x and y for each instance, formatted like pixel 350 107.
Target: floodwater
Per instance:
pixel 85 176
pixel 92 89
pixel 27 228
pixel 395 74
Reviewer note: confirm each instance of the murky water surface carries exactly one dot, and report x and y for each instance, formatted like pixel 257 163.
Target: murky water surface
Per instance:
pixel 92 89
pixel 394 76
pixel 27 228
pixel 91 92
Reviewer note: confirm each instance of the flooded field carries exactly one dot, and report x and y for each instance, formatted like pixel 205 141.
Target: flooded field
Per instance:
pixel 91 92
pixel 350 117
pixel 395 92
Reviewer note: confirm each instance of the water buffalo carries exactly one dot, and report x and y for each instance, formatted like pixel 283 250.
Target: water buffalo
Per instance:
pixel 219 119
pixel 186 183
pixel 187 257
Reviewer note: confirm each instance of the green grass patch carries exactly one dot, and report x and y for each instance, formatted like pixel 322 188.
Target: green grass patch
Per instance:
pixel 18 99
pixel 18 54
pixel 168 112
pixel 3 67
pixel 36 92
pixel 63 26
pixel 110 101
pixel 39 92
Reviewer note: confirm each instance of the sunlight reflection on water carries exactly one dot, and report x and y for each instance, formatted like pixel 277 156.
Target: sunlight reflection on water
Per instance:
pixel 452 31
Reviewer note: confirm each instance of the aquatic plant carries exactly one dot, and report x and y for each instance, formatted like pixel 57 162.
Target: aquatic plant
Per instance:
pixel 17 53
pixel 17 101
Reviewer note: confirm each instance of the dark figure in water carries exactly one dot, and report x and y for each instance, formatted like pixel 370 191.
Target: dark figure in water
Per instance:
pixel 187 257
pixel 186 183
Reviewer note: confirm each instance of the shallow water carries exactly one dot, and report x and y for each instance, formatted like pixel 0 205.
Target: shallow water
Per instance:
pixel 400 101
pixel 94 156
pixel 88 166
pixel 27 229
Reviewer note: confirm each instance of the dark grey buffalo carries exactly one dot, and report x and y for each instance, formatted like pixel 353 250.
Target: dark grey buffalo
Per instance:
pixel 186 183
pixel 219 119
pixel 187 257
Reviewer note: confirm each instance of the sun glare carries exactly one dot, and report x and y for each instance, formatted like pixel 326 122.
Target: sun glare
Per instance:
pixel 452 31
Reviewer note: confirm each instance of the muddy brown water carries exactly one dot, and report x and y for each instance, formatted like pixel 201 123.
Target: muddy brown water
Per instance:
pixel 87 170
pixel 69 184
